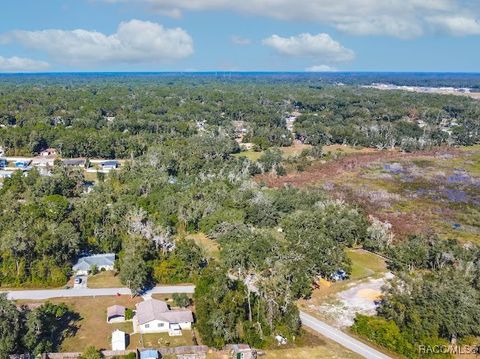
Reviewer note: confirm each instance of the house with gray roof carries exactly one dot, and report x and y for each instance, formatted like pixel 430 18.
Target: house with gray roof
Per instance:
pixel 154 316
pixel 115 314
pixel 104 261
pixel 74 162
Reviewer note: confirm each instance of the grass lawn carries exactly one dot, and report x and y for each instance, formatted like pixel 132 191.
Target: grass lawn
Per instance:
pixel 160 340
pixel 331 351
pixel 106 279
pixel 210 247
pixel 309 345
pixel 90 176
pixel 93 328
pixel 366 264
pixel 251 155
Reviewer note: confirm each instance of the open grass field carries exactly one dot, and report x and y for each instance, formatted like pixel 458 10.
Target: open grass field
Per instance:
pixel 92 327
pixel 210 247
pixel 366 264
pixel 107 279
pixel 309 345
pixel 419 192
pixel 251 155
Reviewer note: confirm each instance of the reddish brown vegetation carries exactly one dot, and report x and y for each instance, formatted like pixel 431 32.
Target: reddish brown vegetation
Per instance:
pixel 334 171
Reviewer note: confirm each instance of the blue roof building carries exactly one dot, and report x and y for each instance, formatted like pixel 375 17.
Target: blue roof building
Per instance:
pixel 148 354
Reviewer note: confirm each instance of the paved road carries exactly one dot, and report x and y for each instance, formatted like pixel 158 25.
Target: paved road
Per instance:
pixel 90 292
pixel 340 337
pixel 307 320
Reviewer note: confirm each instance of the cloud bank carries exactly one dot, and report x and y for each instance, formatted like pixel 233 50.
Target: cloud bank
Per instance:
pixel 321 47
pixel 398 18
pixel 135 41
pixel 20 64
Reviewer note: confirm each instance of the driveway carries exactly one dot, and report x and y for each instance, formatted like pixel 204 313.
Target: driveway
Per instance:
pixel 340 337
pixel 83 281
pixel 90 292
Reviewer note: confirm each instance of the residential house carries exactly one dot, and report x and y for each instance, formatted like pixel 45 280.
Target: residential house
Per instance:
pixel 154 316
pixel 101 261
pixel 74 162
pixel 43 161
pixel 109 165
pixel 49 152
pixel 119 341
pixel 115 314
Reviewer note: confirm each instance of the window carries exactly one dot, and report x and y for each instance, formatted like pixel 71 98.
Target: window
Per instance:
pixel 147 325
pixel 160 325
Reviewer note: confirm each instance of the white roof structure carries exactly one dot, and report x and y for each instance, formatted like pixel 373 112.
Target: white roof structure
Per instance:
pixel 118 340
pixel 153 309
pixel 99 260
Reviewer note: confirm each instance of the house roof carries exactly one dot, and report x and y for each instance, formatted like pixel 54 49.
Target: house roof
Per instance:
pixel 118 336
pixel 115 311
pixel 110 163
pixel 85 263
pixel 73 161
pixel 153 309
pixel 43 160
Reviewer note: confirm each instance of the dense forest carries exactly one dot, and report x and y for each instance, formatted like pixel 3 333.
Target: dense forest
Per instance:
pixel 110 119
pixel 182 177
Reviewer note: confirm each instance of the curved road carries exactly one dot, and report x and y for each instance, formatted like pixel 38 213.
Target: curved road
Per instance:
pixel 307 320
pixel 340 337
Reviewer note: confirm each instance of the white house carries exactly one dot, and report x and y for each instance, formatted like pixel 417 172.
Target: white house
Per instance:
pixel 118 340
pixel 101 261
pixel 49 152
pixel 154 316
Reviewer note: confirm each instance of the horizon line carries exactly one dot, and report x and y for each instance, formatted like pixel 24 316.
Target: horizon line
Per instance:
pixel 242 72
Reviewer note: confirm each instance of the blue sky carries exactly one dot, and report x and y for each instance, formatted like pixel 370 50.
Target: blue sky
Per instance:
pixel 246 35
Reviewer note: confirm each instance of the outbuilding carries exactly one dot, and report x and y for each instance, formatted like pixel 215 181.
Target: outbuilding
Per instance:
pixel 115 314
pixel 119 341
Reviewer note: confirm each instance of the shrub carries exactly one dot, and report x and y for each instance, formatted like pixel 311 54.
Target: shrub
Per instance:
pixel 383 332
pixel 181 300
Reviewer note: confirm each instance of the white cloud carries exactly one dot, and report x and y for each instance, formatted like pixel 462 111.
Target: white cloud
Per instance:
pixel 399 18
pixel 457 25
pixel 321 47
pixel 20 64
pixel 320 68
pixel 239 40
pixel 134 42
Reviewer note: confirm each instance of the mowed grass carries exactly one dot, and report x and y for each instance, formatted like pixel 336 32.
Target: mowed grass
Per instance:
pixel 160 340
pixel 366 264
pixel 308 345
pixel 106 279
pixel 93 328
pixel 319 352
